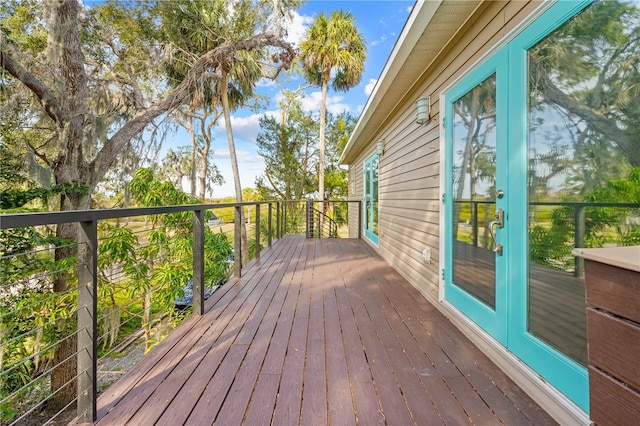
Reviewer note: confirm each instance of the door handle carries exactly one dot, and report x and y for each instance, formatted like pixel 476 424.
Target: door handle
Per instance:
pixel 498 223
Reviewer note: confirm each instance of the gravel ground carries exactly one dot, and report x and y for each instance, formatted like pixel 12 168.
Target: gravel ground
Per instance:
pixel 110 370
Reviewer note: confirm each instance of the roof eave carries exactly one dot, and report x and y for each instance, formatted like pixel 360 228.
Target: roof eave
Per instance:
pixel 418 21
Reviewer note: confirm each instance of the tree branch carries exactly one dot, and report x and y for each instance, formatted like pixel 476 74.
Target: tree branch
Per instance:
pixel 203 67
pixel 597 121
pixel 33 149
pixel 44 95
pixel 138 98
pixel 275 188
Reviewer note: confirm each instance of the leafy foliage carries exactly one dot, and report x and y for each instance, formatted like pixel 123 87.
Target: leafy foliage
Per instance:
pixel 289 147
pixel 604 225
pixel 168 254
pixel 333 43
pixel 14 198
pixel 332 50
pixel 140 275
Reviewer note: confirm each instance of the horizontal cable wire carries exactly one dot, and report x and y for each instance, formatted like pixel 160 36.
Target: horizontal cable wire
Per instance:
pixel 39 404
pixel 15 366
pixel 44 375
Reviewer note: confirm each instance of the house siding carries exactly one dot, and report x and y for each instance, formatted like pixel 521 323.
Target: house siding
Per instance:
pixel 411 185
pixel 356 189
pixel 409 188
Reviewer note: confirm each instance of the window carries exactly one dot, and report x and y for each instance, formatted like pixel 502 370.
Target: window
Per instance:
pixel 371 198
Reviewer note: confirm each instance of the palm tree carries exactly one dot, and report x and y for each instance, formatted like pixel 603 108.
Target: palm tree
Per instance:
pixel 206 23
pixel 332 47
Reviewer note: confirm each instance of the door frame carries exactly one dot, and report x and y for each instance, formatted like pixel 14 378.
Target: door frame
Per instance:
pixel 368 209
pixel 493 321
pixel 567 376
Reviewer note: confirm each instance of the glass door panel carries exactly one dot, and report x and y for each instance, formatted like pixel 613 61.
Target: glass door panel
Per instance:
pixel 583 151
pixel 374 195
pixel 475 273
pixel 522 140
pixel 474 191
pixel 371 175
pixel 556 127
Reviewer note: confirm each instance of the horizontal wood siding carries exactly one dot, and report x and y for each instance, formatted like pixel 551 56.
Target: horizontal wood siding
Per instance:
pixel 410 195
pixel 355 215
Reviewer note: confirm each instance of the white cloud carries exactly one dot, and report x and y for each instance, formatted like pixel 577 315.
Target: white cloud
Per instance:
pixel 251 165
pixel 243 156
pixel 297 27
pixel 246 128
pixel 266 82
pixel 335 104
pixel 368 89
pixel 381 40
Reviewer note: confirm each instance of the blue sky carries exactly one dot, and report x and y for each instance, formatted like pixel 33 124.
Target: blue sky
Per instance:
pixel 380 22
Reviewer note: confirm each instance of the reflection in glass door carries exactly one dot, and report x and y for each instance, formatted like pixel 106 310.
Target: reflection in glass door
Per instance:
pixel 564 147
pixel 563 144
pixel 371 198
pixel 475 271
pixel 583 122
pixel 474 191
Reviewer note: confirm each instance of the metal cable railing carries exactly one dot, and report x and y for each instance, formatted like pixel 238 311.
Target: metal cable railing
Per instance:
pixel 120 289
pixel 567 224
pixel 330 219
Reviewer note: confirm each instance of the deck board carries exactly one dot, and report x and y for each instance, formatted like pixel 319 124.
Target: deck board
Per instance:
pixel 317 332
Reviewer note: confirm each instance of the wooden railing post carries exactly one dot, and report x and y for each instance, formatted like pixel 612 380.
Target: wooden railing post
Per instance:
pixel 237 238
pixel 87 356
pixel 197 281
pixel 284 217
pixel 579 231
pixel 309 219
pixel 278 220
pixel 257 232
pixel 320 224
pixel 270 218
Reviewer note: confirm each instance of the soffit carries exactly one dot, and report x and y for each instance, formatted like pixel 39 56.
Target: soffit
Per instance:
pixel 429 28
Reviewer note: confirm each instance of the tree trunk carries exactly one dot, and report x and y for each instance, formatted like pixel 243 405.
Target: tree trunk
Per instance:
pixel 63 375
pixel 234 166
pixel 193 174
pixel 321 159
pixel 69 168
pixel 146 321
pixel 466 159
pixel 188 124
pixel 2 336
pixel 323 119
pixel 64 371
pixel 204 155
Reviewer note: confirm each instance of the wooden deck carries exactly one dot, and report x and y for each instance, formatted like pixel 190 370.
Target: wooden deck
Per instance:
pixel 318 332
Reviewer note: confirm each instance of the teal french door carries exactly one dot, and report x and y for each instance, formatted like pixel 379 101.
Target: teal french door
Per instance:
pixel 476 160
pixel 371 175
pixel 502 138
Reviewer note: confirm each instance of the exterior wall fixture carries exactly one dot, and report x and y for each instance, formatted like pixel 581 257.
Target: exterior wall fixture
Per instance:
pixel 380 146
pixel 423 110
